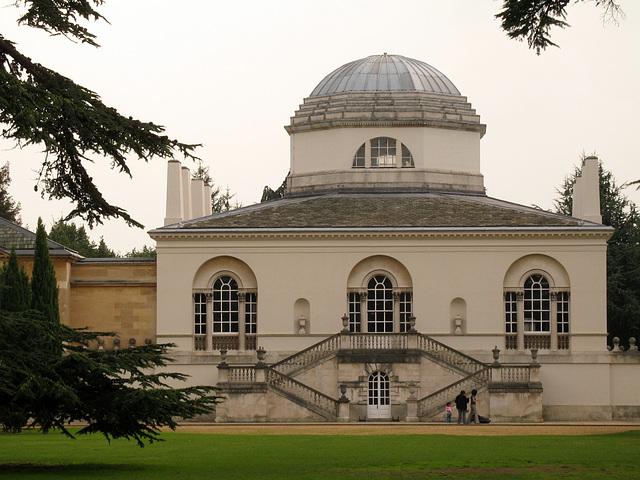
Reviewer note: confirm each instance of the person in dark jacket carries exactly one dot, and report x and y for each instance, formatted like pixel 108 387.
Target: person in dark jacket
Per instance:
pixel 461 404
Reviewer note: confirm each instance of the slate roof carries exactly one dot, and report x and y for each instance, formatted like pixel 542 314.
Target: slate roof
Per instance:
pixel 382 210
pixel 25 241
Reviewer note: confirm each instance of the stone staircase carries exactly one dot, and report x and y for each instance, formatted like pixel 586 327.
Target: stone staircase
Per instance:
pixel 279 376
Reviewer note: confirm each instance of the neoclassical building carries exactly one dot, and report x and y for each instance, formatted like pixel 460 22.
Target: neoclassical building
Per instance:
pixel 387 279
pixel 383 283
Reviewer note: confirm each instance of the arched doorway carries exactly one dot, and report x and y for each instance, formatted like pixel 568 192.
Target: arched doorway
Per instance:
pixel 379 405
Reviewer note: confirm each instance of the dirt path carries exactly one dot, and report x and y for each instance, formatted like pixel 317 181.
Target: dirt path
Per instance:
pixel 407 429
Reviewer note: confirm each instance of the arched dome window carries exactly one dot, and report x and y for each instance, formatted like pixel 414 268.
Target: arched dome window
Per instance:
pixel 382 152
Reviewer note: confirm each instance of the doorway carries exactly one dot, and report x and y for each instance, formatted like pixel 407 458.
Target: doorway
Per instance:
pixel 379 405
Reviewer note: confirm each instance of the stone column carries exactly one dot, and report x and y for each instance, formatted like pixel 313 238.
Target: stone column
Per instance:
pixel 396 311
pixel 364 324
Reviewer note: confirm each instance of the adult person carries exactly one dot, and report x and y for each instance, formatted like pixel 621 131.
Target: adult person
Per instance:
pixel 461 404
pixel 473 400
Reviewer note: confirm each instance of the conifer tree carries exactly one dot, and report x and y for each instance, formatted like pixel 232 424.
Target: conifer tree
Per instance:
pixel 15 294
pixel 44 286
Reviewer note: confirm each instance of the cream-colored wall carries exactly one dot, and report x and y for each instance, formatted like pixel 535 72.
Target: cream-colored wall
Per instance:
pixel 432 149
pixel 442 268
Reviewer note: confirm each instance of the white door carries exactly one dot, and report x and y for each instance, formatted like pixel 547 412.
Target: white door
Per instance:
pixel 379 404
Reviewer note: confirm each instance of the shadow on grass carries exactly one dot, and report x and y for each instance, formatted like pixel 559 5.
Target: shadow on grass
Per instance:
pixel 35 468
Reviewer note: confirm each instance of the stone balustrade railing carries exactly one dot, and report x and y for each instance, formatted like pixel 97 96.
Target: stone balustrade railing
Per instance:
pixel 513 373
pixel 435 402
pixel 308 356
pixel 373 341
pixel 449 355
pixel 302 391
pixel 241 374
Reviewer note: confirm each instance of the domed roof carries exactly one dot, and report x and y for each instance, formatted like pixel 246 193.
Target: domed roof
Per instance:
pixel 385 73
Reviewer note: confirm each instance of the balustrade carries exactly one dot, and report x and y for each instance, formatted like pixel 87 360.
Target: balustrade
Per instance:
pixel 308 355
pixel 436 401
pixel 225 342
pixel 242 374
pixel 200 342
pixel 540 342
pixel 372 341
pixel 449 355
pixel 515 373
pixel 302 391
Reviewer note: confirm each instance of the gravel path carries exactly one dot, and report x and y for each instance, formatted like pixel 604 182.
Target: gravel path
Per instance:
pixel 407 429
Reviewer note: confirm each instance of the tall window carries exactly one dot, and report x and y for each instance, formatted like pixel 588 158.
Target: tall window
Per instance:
pixel 511 312
pixel 251 313
pixel 563 312
pixel 200 313
pixel 225 305
pixel 380 304
pixel 405 311
pixel 354 312
pixel 537 305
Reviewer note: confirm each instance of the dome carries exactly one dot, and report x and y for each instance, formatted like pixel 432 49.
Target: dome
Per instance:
pixel 385 73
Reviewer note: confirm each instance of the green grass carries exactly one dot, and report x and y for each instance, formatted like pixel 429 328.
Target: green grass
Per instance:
pixel 193 456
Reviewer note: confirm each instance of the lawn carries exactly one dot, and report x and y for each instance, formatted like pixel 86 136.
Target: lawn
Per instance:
pixel 193 456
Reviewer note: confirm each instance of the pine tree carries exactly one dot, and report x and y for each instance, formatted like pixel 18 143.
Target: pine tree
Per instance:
pixel 9 209
pixel 623 253
pixel 15 295
pixel 118 393
pixel 44 286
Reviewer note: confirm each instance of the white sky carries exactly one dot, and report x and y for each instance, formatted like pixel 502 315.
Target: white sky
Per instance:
pixel 229 75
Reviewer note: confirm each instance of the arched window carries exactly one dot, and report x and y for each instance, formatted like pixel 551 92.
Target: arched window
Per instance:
pixel 225 305
pixel 382 152
pixel 537 304
pixel 380 304
pixel 537 295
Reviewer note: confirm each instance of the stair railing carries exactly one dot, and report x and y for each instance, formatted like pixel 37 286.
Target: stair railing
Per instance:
pixel 302 392
pixel 308 356
pixel 449 355
pixel 431 404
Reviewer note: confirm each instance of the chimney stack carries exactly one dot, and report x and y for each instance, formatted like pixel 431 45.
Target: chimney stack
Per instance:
pixel 586 192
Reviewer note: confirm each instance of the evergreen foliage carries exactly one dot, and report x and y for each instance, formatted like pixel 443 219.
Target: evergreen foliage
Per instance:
pixel 9 209
pixel 15 293
pixel 48 378
pixel 269 194
pixel 533 19
pixel 146 252
pixel 623 253
pixel 44 286
pixel 76 238
pixel 220 202
pixel 41 107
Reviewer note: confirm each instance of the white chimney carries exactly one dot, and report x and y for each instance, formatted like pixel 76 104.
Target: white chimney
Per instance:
pixel 207 200
pixel 186 194
pixel 586 192
pixel 174 193
pixel 197 197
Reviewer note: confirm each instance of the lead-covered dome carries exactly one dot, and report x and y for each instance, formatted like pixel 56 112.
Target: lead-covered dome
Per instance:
pixel 385 73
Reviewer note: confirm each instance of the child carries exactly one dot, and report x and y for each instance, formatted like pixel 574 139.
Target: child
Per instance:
pixel 448 409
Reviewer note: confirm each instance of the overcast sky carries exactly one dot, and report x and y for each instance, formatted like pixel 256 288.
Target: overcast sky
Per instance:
pixel 229 75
